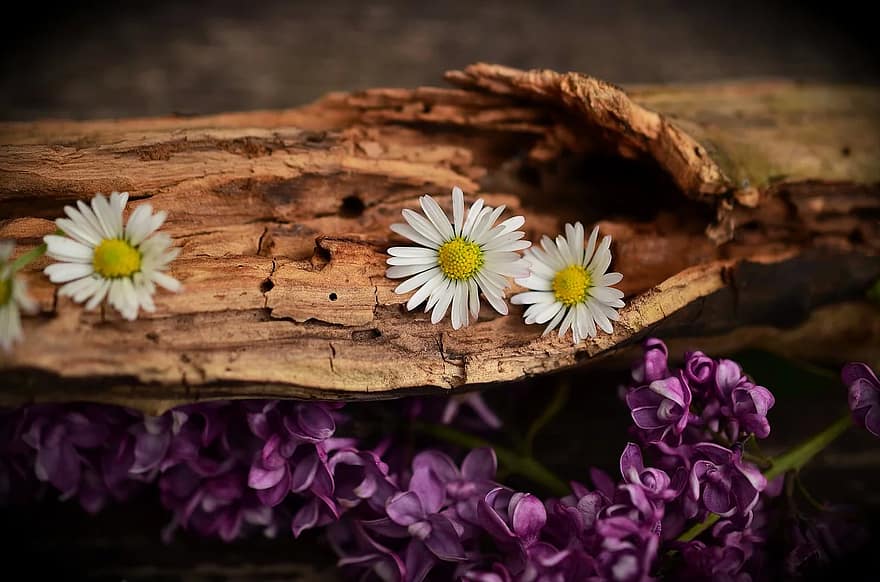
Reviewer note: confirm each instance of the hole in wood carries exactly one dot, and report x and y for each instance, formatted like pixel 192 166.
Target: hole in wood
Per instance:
pixel 351 207
pixel 266 286
pixel 333 297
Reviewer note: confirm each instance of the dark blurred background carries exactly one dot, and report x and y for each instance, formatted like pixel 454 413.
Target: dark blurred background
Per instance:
pixel 115 59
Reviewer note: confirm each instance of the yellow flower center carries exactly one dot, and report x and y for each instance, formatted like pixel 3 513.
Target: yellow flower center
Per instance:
pixel 571 284
pixel 5 291
pixel 116 258
pixel 460 259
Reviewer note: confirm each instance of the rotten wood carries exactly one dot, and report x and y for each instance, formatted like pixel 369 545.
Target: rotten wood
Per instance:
pixel 731 206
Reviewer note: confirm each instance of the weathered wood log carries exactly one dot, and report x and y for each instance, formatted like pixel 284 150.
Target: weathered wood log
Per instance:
pixel 731 206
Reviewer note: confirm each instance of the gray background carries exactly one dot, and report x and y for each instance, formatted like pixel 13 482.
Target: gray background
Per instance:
pixel 102 59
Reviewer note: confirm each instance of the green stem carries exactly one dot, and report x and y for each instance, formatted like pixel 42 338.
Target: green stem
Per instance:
pixel 553 408
pixel 801 454
pixel 790 461
pixel 524 466
pixel 29 257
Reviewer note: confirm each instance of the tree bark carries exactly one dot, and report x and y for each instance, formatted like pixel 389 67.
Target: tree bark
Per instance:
pixel 734 207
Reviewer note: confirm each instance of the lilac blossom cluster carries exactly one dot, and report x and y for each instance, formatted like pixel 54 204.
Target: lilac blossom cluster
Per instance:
pixel 229 469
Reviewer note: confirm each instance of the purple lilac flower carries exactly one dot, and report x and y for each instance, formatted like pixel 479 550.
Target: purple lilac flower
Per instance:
pixel 514 520
pixel 742 401
pixel 465 486
pixel 358 552
pixel 416 514
pixel 661 409
pixel 864 396
pixel 294 458
pixel 723 482
pixel 654 364
pixel 656 484
pixel 628 549
pixel 72 444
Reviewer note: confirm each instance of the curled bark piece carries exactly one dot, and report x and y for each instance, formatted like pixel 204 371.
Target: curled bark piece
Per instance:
pixel 283 217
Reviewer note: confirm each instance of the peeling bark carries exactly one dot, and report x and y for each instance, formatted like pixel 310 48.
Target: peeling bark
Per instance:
pixel 731 206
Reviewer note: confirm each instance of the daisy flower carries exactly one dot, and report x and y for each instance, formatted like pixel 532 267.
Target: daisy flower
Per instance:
pixel 569 285
pixel 13 299
pixel 456 260
pixel 101 258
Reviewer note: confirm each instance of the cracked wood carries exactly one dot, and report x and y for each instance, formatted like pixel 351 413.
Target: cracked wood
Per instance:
pixel 734 207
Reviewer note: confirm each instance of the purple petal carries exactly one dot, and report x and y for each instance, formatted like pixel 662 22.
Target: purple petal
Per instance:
pixel 405 508
pixel 305 518
pixel 855 371
pixel 443 540
pixel 439 463
pixel 718 500
pixel 260 478
pixel 528 517
pixel 631 463
pixel 275 494
pixel 419 561
pixel 480 465
pixel 429 488
pixel 304 472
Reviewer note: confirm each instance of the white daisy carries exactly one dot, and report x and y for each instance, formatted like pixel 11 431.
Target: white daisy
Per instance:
pixel 458 259
pixel 101 258
pixel 569 285
pixel 13 299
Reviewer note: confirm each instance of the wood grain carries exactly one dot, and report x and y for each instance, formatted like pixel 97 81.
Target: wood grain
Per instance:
pixel 731 205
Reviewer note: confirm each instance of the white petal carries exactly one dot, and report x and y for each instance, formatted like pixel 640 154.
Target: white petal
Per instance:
pixel 123 298
pixel 474 298
pixel 608 279
pixel 602 258
pixel 472 216
pixel 547 311
pixel 400 272
pixel 497 302
pixel 586 321
pixel 442 304
pixel 81 289
pixel 530 297
pixel 143 289
pixel 425 290
pixel 555 260
pixel 424 226
pixel 438 292
pixel 411 252
pixel 485 222
pixel 600 318
pixel 99 293
pixel 166 281
pixel 606 294
pixel 591 245
pixel 459 302
pixel 104 213
pixel 565 250
pixel 88 215
pixel 536 283
pixel 67 249
pixel 142 223
pixel 575 237
pixel 404 261
pixel 412 234
pixel 80 231
pixel 416 281
pixel 555 321
pixel 64 272
pixel 566 322
pixel 437 217
pixel 457 210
